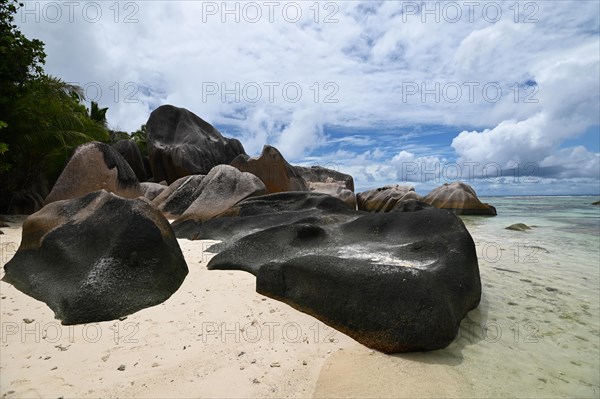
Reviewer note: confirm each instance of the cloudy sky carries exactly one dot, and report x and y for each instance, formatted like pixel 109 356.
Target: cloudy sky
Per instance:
pixel 501 95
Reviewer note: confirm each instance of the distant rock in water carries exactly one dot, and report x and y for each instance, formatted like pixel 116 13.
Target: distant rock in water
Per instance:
pixel 223 187
pixel 152 190
pixel 596 203
pixel 328 181
pixel 388 198
pixel 273 170
pixel 518 227
pixel 395 282
pixel 131 152
pixel 459 198
pixel 97 257
pixel 180 144
pixel 95 166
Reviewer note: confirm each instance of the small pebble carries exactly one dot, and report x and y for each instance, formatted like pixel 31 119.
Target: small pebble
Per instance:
pixel 121 367
pixel 304 362
pixel 28 321
pixel 275 364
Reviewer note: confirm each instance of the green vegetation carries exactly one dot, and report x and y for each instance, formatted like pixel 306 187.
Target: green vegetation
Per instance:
pixel 42 119
pixel 140 138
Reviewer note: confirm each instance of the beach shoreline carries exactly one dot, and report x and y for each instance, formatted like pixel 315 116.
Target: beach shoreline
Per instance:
pixel 532 335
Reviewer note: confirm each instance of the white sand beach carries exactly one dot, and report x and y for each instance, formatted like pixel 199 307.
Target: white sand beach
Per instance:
pixel 216 337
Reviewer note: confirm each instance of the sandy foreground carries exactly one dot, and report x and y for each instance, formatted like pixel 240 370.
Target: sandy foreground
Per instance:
pixel 216 337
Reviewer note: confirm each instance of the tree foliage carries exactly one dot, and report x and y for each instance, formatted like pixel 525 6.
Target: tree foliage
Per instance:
pixel 46 124
pixel 42 118
pixel 22 59
pixel 140 137
pixel 98 114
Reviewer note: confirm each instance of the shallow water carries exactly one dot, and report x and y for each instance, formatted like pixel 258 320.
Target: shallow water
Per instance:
pixel 536 332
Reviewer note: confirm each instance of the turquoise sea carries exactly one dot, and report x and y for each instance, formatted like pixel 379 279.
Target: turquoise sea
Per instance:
pixel 536 332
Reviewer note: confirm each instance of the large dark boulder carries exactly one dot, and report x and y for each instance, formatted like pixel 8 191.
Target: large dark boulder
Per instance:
pixel 460 198
pixel 131 152
pixel 263 212
pixel 274 171
pixel 180 143
pixel 97 257
pixel 95 166
pixel 396 282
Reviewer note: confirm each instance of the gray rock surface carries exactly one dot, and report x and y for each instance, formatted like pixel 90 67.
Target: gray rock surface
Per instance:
pixel 459 198
pixel 396 282
pixel 97 257
pixel 388 198
pixel 180 143
pixel 131 153
pixel 222 188
pixel 177 197
pixel 152 190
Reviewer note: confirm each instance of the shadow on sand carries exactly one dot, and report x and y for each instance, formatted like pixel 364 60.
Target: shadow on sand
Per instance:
pixel 471 331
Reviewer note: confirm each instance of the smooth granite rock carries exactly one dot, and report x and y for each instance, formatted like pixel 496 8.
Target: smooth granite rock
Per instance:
pixel 273 170
pixel 459 198
pixel 97 257
pixel 178 196
pixel 387 198
pixel 396 282
pixel 180 143
pixel 95 166
pixel 223 187
pixel 152 190
pixel 131 153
